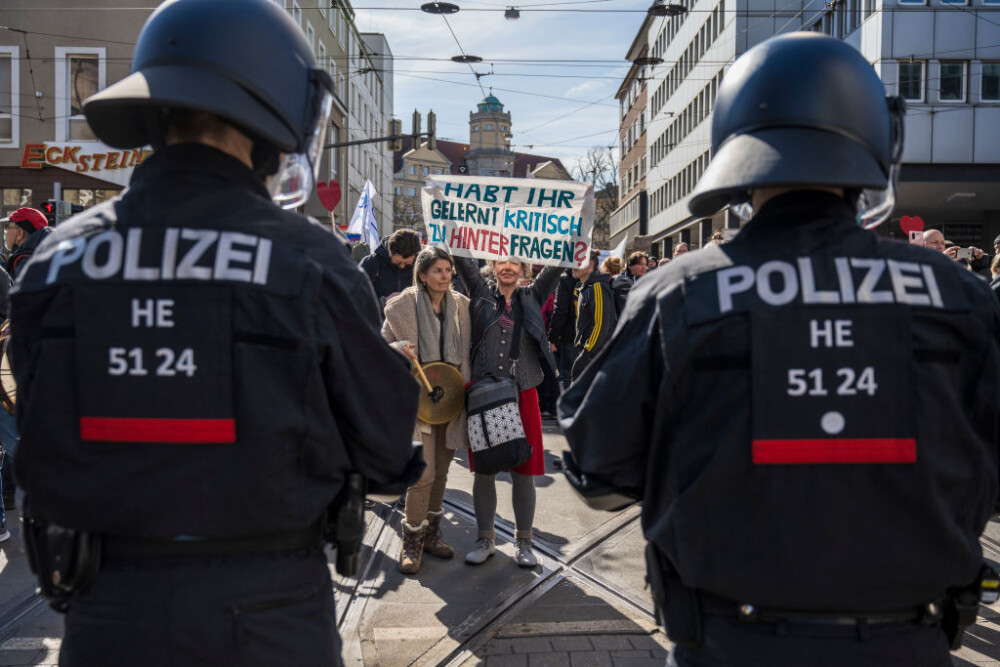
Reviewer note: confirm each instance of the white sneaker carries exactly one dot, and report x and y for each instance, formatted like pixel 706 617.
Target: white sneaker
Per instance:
pixel 4 535
pixel 484 549
pixel 525 556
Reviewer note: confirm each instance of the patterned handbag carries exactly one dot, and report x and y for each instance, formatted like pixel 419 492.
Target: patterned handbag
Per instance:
pixel 496 434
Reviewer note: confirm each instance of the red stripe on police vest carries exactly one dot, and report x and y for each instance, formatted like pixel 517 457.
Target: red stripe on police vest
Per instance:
pixel 123 429
pixel 857 450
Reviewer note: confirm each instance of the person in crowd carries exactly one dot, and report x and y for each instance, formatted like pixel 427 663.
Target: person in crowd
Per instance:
pixel 595 313
pixel 611 266
pixel 430 322
pixel 23 230
pixel 562 326
pixel 390 267
pixel 679 250
pixel 814 472
pixel 717 238
pixel 972 258
pixel 638 264
pixel 995 273
pixel 497 305
pixel 224 350
pixel 654 262
pixel 549 389
pixel 8 427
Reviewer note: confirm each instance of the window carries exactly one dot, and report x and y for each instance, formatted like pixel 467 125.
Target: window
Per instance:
pixel 296 13
pixel 321 6
pixel 413 170
pixel 332 135
pixel 503 128
pixel 911 81
pixel 411 192
pixel 80 72
pixel 340 27
pixel 425 171
pixel 333 19
pixel 913 2
pixel 991 82
pixel 487 127
pixel 14 198
pixel 321 57
pixel 952 81
pixel 311 36
pixel 475 128
pixel 9 100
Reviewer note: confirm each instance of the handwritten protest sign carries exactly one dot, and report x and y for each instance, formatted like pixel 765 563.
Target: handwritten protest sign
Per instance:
pixel 532 220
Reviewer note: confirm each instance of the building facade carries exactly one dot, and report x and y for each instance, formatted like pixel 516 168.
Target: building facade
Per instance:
pixel 487 153
pixel 54 55
pixel 943 57
pixel 631 217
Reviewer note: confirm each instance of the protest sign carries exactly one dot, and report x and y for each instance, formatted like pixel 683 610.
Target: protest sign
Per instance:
pixel 537 220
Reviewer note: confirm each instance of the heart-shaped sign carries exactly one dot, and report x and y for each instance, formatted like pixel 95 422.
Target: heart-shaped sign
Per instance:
pixel 329 194
pixel 911 224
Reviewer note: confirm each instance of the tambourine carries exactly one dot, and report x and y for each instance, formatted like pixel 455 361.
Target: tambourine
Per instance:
pixel 8 385
pixel 443 397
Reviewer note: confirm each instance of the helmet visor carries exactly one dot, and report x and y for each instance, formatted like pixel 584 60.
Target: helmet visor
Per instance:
pixel 874 205
pixel 295 179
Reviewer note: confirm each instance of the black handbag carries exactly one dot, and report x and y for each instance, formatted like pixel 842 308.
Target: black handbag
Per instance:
pixel 496 434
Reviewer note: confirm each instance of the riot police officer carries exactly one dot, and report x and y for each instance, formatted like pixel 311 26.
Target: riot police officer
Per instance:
pixel 199 369
pixel 812 416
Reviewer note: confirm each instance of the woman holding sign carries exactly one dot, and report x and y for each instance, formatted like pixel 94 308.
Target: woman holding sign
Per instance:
pixel 505 314
pixel 428 323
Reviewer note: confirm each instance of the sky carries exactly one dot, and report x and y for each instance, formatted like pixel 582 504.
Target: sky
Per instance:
pixel 558 109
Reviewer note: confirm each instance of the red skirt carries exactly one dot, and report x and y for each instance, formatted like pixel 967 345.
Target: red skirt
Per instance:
pixel 531 419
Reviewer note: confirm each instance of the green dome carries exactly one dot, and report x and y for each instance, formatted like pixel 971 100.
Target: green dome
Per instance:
pixel 490 103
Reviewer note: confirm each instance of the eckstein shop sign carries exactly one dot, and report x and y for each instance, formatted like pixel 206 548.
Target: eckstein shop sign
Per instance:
pixel 85 157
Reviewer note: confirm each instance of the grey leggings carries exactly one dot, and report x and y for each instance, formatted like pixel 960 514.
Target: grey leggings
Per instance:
pixel 484 499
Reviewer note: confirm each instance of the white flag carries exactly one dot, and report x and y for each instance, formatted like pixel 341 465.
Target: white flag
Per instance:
pixel 619 252
pixel 363 222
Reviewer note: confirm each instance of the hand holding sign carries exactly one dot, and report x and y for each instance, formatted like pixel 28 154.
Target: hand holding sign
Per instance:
pixel 329 194
pixel 913 227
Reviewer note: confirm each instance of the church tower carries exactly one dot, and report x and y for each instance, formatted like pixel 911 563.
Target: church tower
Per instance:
pixel 489 140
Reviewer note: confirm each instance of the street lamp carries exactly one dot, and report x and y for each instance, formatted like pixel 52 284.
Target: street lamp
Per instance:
pixel 466 59
pixel 662 8
pixel 643 61
pixel 512 14
pixel 439 8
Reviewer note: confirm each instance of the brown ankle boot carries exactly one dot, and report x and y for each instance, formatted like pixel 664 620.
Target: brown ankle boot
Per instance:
pixel 413 547
pixel 433 544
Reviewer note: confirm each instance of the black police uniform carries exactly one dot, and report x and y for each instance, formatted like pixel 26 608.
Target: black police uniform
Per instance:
pixel 812 427
pixel 198 371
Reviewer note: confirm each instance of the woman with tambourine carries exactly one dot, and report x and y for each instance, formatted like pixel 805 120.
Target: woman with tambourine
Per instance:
pixel 429 323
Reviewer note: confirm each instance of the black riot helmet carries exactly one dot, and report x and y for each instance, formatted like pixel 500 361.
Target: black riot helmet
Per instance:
pixel 244 60
pixel 798 110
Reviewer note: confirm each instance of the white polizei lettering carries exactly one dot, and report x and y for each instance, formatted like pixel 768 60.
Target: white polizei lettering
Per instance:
pixel 169 252
pixel 66 253
pixel 932 287
pixel 226 255
pixel 809 292
pixel 845 279
pixel 203 238
pixel 133 247
pixel 901 282
pixel 262 267
pixel 820 333
pixel 112 262
pixel 730 281
pixel 866 290
pixel 790 283
pixel 143 313
pixel 843 335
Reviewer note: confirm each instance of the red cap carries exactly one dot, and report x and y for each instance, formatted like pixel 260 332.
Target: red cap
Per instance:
pixel 29 219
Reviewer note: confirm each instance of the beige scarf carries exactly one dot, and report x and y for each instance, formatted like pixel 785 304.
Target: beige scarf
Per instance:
pixel 429 330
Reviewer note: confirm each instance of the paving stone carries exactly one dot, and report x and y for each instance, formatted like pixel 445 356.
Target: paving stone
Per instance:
pixel 645 642
pixel 611 643
pixel 548 660
pixel 532 645
pixel 590 659
pixel 631 654
pixel 506 661
pixel 499 647
pixel 637 662
pixel 571 644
